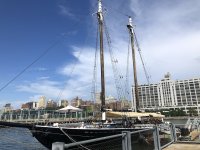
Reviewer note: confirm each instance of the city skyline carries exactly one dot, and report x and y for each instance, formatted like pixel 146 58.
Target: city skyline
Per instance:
pixel 168 33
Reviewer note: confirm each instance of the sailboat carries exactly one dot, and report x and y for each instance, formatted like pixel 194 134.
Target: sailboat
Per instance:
pixel 49 134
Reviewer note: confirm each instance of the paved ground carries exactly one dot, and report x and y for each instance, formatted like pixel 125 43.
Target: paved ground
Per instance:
pixel 180 146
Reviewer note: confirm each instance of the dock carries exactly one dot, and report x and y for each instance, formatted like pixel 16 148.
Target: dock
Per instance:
pixel 183 146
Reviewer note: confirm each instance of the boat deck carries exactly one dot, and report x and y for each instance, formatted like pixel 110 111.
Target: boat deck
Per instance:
pixel 181 146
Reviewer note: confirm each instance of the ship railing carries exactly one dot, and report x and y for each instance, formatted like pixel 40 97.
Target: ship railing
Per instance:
pixel 189 133
pixel 155 137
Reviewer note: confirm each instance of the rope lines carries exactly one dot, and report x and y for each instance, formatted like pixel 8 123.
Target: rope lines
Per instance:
pixel 127 86
pixel 142 60
pixel 70 74
pixel 118 77
pixel 144 68
pixel 94 86
pixel 31 64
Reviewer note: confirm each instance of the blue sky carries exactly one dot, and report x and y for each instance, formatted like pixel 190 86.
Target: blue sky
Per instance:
pixel 168 33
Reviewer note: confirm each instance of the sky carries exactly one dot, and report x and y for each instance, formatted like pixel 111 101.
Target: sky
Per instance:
pixel 51 45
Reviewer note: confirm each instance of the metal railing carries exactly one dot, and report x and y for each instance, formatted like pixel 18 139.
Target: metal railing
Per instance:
pixel 189 133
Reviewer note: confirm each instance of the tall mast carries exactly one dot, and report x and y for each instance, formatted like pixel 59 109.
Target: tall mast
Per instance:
pixel 100 20
pixel 130 27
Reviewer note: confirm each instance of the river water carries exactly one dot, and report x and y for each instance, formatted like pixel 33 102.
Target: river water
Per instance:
pixel 177 121
pixel 18 139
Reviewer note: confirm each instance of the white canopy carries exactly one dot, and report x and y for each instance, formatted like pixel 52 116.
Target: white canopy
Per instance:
pixel 69 108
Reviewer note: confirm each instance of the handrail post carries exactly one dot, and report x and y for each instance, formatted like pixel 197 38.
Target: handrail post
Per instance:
pixel 171 131
pixel 58 146
pixel 156 138
pixel 126 140
pixel 174 132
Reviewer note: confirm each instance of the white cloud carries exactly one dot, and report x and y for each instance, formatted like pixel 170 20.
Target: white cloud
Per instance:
pixel 168 32
pixel 43 78
pixel 64 10
pixel 41 87
pixel 81 73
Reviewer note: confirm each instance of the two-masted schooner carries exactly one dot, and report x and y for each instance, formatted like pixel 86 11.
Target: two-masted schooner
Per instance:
pixel 50 134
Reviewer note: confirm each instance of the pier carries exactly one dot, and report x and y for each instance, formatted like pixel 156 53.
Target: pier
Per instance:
pixel 183 146
pixel 44 116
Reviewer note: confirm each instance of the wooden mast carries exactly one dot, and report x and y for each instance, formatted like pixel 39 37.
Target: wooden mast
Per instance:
pixel 130 27
pixel 100 20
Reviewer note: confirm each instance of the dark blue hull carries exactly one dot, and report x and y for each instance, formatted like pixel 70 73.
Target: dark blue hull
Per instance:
pixel 48 135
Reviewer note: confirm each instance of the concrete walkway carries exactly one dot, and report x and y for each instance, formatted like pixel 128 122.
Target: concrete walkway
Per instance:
pixel 180 146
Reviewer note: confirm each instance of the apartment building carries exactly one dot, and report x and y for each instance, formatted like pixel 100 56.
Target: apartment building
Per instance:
pixel 169 93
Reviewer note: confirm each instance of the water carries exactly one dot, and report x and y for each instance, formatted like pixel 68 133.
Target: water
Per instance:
pixel 18 139
pixel 178 121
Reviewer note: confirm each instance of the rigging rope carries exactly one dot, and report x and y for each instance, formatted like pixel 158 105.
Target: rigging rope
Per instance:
pixel 118 77
pixel 72 69
pixel 94 88
pixel 145 70
pixel 139 50
pixel 32 63
pixel 70 74
pixel 128 91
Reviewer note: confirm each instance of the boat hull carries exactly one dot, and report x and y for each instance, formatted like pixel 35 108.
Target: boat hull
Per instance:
pixel 48 135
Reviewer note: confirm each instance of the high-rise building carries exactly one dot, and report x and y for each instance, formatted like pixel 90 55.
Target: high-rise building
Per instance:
pixel 76 102
pixel 29 105
pixel 7 107
pixel 188 91
pixel 51 104
pixel 42 102
pixel 98 98
pixel 110 99
pixel 62 103
pixel 170 93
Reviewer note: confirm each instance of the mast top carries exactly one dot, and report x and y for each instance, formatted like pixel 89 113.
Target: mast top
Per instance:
pixel 130 21
pixel 130 25
pixel 100 12
pixel 99 6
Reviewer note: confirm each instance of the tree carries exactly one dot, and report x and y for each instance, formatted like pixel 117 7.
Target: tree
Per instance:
pixel 192 111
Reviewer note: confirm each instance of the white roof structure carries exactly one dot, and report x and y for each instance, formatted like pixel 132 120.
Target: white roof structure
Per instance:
pixel 69 108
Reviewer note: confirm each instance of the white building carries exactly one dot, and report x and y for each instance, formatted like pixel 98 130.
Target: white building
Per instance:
pixel 63 103
pixel 98 98
pixel 166 92
pixel 42 102
pixel 170 93
pixel 110 99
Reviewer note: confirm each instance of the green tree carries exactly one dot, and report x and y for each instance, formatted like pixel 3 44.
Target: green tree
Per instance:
pixel 192 111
